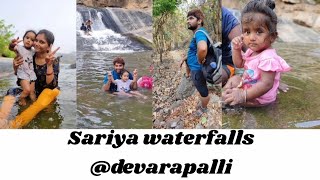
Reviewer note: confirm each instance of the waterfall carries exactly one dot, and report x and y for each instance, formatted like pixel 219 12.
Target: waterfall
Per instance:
pixel 110 27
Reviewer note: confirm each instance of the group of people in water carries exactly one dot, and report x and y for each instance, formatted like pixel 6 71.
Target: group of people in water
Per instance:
pixel 86 27
pixel 120 81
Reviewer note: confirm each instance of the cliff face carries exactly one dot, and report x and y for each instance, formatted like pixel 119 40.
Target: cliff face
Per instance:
pixel 129 4
pixel 303 12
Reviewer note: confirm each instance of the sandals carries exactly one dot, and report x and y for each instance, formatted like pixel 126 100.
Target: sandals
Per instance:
pixel 199 111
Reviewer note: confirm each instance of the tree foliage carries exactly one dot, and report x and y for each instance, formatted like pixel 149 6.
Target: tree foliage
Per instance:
pixel 162 11
pixel 170 22
pixel 5 37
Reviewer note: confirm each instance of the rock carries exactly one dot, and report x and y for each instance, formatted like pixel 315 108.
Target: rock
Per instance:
pixel 73 66
pixel 291 1
pixel 163 124
pixel 199 126
pixel 317 24
pixel 117 3
pixel 173 124
pixel 185 88
pixel 305 18
pixel 312 2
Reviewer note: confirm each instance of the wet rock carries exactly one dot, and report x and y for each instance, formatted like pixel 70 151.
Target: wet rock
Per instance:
pixel 73 66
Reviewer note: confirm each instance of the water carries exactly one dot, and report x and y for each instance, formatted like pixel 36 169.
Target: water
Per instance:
pixel 108 41
pixel 98 109
pixel 114 29
pixel 60 114
pixel 300 106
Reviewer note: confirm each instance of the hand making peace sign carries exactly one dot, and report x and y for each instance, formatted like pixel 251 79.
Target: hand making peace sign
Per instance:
pixel 50 57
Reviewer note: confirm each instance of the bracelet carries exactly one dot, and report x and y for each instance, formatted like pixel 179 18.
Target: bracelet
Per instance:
pixel 245 96
pixel 48 74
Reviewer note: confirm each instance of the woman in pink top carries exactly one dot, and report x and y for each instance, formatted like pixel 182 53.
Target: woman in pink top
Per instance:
pixel 260 80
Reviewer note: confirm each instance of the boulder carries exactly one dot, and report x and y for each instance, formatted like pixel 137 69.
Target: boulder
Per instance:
pixel 291 1
pixel 140 4
pixel 307 19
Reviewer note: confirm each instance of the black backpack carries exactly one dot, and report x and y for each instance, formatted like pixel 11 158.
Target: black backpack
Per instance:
pixel 214 56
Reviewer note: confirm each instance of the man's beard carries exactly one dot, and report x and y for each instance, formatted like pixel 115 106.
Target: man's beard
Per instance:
pixel 192 27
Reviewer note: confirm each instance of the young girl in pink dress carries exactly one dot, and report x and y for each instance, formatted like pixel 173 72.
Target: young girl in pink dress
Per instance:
pixel 260 80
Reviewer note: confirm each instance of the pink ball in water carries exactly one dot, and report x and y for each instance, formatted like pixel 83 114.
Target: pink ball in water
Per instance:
pixel 145 82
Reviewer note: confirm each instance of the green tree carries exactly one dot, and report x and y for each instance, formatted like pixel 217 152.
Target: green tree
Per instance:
pixel 5 37
pixel 162 11
pixel 170 22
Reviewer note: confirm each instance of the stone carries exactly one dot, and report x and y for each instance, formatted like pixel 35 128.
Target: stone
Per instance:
pixel 291 1
pixel 185 88
pixel 316 24
pixel 305 18
pixel 199 126
pixel 130 4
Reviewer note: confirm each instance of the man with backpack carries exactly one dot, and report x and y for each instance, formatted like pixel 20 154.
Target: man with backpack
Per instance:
pixel 197 53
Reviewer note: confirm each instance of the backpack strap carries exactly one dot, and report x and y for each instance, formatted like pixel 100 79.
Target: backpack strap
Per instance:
pixel 218 44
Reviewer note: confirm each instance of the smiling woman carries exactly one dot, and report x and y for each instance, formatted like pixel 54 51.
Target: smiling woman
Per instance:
pixel 46 64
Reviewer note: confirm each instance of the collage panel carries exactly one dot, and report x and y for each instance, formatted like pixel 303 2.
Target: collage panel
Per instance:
pixel 114 64
pixel 38 39
pixel 158 64
pixel 291 46
pixel 187 64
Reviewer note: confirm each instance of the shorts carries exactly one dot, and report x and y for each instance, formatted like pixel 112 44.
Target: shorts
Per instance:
pixel 19 80
pixel 199 81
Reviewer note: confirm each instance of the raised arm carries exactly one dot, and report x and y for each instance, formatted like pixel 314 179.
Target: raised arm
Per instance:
pixel 111 77
pixel 52 69
pixel 236 51
pixel 13 44
pixel 134 84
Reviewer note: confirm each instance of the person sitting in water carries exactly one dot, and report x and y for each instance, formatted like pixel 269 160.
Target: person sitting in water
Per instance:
pixel 25 72
pixel 88 24
pixel 46 65
pixel 83 28
pixel 123 84
pixel 46 68
pixel 262 66
pixel 119 64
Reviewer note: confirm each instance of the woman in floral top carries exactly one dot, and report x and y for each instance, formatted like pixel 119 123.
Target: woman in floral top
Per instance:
pixel 46 66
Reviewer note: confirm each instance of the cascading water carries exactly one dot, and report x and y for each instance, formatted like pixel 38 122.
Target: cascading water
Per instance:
pixel 109 28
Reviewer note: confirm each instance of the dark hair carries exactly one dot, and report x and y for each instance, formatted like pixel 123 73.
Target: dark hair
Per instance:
pixel 118 60
pixel 48 35
pixel 123 71
pixel 264 7
pixel 197 13
pixel 32 31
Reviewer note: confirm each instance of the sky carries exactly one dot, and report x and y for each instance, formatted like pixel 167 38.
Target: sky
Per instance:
pixel 58 16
